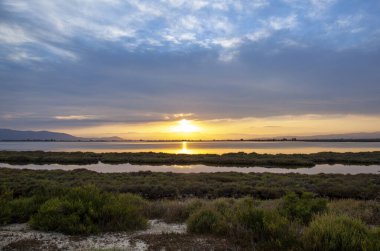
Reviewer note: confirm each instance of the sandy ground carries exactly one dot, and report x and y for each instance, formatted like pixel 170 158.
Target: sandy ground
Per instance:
pixel 158 236
pixel 21 237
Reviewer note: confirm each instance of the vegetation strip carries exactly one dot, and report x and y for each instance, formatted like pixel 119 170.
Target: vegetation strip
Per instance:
pixel 155 185
pixel 229 159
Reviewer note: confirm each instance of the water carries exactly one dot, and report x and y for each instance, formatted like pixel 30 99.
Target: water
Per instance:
pixel 126 168
pixel 194 147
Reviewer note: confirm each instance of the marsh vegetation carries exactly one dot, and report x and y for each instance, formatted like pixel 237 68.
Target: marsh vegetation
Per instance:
pixel 297 221
pixel 227 159
pixel 155 185
pixel 253 211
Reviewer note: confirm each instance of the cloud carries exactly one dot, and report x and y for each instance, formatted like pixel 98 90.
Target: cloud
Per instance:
pixel 23 56
pixel 177 116
pixel 139 61
pixel 14 34
pixel 322 5
pixel 350 22
pixel 166 25
pixel 281 23
pixel 260 3
pixel 259 35
pixel 75 117
pixel 227 42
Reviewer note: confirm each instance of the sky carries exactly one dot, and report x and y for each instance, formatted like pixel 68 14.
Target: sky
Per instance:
pixel 170 69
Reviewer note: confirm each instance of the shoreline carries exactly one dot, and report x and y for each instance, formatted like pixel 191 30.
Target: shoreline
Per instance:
pixel 209 141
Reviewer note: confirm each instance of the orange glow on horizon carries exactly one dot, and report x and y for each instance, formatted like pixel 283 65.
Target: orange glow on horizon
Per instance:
pixel 247 128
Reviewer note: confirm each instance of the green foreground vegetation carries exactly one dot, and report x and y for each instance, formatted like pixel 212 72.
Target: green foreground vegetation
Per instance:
pixel 228 159
pixel 297 221
pixel 254 211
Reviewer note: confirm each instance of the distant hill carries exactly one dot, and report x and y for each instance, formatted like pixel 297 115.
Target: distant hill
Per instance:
pixel 8 134
pixel 360 135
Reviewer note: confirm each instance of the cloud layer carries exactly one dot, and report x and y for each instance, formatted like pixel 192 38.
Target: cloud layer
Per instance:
pixel 84 63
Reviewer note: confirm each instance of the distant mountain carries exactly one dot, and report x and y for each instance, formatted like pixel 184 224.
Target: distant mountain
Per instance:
pixel 360 135
pixel 8 134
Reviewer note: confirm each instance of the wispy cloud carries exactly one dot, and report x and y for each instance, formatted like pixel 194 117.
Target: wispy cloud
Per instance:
pixel 75 117
pixel 281 23
pixel 23 56
pixel 14 34
pixel 171 25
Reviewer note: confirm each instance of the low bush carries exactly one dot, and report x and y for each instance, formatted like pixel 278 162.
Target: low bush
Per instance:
pixel 23 208
pixel 245 222
pixel 206 221
pixel 264 228
pixel 302 207
pixel 330 232
pixel 122 212
pixel 172 211
pixel 372 242
pixel 18 210
pixel 87 210
pixel 213 218
pixel 6 196
pixel 193 205
pixel 367 211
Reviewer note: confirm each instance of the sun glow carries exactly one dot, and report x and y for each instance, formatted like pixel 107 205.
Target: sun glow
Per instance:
pixel 185 126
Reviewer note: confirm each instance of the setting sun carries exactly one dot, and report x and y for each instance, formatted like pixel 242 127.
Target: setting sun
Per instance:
pixel 185 126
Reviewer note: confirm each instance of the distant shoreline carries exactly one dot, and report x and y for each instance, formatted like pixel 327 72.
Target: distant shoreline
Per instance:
pixel 221 140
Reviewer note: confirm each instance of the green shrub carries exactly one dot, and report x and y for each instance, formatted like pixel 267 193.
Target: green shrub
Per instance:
pixel 17 210
pixel 65 215
pixel 302 207
pixel 372 242
pixel 23 208
pixel 223 205
pixel 5 213
pixel 206 221
pixel 367 211
pixel 249 218
pixel 87 210
pixel 264 228
pixel 335 232
pixel 122 212
pixel 244 222
pixel 169 211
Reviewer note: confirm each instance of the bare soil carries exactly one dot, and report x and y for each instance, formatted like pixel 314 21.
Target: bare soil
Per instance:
pixel 159 236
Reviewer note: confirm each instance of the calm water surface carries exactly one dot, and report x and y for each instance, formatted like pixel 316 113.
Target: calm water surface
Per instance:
pixel 194 147
pixel 126 168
